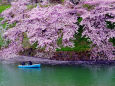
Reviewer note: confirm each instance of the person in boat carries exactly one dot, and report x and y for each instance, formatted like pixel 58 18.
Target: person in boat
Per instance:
pixel 30 63
pixel 23 63
pixel 75 1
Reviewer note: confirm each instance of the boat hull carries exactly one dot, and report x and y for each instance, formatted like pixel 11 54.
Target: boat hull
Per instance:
pixel 29 66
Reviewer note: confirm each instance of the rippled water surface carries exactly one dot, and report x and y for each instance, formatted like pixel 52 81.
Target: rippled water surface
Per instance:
pixel 10 75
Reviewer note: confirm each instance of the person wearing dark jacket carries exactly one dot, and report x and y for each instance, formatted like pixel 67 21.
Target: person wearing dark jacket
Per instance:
pixel 30 63
pixel 23 63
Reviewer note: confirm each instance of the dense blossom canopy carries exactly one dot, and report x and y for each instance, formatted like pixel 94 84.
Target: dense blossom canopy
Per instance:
pixel 45 24
pixel 96 28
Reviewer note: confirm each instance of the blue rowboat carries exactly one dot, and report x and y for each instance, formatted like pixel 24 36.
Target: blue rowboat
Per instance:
pixel 29 66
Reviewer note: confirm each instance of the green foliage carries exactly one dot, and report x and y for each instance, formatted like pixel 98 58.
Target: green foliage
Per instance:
pixel 1 19
pixel 4 7
pixel 1 42
pixel 9 25
pixel 112 40
pixel 108 15
pixel 79 20
pixel 81 40
pixel 29 50
pixel 81 43
pixel 12 25
pixel 62 0
pixel 79 48
pixel 88 6
pixel 25 42
pixel 59 40
pixel 6 43
pixel 34 45
pixel 29 7
pixel 3 25
pixel 110 25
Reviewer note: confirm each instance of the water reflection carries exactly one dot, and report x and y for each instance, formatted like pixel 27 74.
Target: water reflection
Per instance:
pixel 10 75
pixel 103 76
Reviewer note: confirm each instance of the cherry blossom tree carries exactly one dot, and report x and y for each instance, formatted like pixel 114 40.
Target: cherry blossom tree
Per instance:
pixel 44 24
pixel 100 27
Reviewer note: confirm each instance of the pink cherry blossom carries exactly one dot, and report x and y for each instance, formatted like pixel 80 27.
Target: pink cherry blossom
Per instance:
pixel 47 23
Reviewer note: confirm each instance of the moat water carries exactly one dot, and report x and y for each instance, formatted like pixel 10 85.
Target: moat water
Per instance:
pixel 10 75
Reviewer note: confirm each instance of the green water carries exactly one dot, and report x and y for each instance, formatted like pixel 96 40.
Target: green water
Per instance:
pixel 10 75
